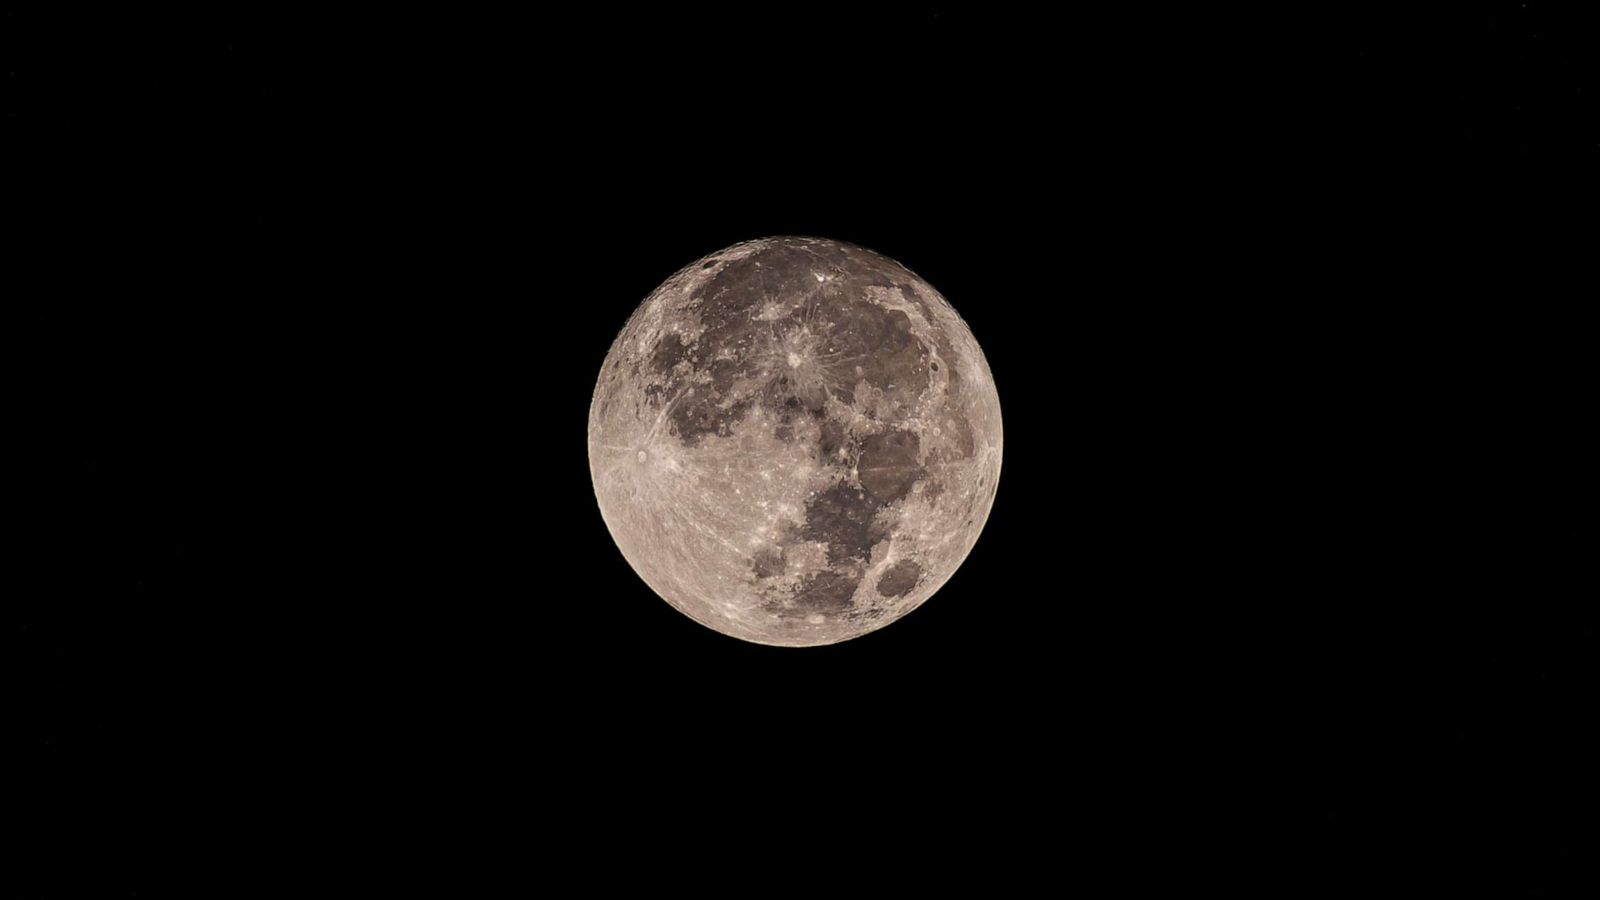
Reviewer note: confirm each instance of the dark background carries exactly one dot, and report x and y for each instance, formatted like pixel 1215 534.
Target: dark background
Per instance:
pixel 1284 317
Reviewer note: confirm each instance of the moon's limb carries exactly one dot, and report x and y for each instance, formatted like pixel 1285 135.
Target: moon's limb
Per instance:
pixel 795 441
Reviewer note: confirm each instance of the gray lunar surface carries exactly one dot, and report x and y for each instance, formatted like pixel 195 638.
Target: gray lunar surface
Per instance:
pixel 795 441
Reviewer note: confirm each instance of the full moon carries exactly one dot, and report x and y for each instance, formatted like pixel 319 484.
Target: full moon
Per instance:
pixel 795 441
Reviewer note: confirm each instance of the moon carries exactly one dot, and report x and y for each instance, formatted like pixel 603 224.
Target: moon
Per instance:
pixel 795 441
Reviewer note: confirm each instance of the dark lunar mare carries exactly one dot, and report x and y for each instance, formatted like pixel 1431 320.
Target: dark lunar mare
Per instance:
pixel 888 466
pixel 827 592
pixel 899 579
pixel 842 517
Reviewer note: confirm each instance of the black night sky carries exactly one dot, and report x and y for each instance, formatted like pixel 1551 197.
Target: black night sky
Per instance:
pixel 1292 550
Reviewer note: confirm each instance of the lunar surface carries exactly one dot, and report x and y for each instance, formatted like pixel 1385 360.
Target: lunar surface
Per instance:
pixel 795 441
